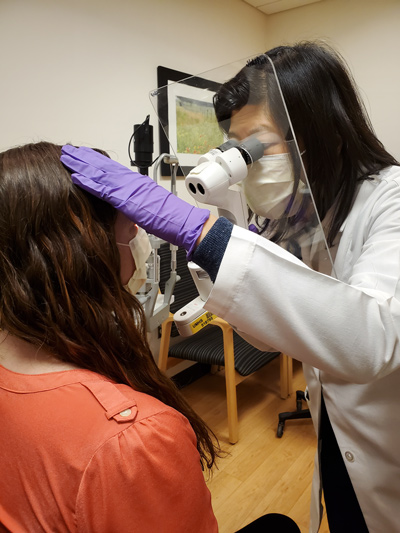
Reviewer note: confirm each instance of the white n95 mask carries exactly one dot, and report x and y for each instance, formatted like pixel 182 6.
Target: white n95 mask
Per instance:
pixel 140 248
pixel 269 185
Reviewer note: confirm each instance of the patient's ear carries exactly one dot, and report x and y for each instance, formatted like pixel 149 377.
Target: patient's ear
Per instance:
pixel 124 229
pixel 135 231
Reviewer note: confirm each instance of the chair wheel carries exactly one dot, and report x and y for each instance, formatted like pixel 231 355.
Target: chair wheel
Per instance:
pixel 279 431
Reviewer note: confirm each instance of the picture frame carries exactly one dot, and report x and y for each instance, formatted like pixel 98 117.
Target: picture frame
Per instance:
pixel 175 99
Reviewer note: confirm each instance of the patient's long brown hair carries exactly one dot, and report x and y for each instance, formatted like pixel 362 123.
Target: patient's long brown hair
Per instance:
pixel 60 285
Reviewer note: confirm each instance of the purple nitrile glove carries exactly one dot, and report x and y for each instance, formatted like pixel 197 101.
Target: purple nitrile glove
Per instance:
pixel 149 205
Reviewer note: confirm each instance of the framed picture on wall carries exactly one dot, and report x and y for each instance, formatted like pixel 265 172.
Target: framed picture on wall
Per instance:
pixel 186 113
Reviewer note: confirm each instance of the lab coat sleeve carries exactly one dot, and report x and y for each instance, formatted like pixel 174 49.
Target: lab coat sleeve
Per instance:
pixel 147 478
pixel 209 255
pixel 351 330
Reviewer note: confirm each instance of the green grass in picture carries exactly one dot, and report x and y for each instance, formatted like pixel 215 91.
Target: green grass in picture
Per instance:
pixel 197 127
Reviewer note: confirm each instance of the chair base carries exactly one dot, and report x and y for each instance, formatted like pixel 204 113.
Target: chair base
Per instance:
pixel 300 413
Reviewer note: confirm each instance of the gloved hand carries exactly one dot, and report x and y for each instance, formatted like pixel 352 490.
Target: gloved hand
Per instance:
pixel 149 205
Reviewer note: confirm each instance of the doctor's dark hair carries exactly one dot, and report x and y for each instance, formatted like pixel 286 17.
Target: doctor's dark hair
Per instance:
pixel 328 117
pixel 60 286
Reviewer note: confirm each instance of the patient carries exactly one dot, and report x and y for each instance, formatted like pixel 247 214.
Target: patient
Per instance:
pixel 93 437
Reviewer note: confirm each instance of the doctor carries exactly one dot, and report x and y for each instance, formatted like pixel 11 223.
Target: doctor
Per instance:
pixel 343 324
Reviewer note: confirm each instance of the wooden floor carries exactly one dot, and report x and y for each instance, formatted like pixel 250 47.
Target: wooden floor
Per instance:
pixel 262 474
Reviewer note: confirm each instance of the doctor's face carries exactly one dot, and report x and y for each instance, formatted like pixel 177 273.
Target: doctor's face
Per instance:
pixel 252 120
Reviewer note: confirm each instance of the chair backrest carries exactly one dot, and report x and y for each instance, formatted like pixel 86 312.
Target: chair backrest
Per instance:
pixel 207 345
pixel 185 289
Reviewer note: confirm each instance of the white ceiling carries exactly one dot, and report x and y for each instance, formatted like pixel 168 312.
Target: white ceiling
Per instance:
pixel 275 6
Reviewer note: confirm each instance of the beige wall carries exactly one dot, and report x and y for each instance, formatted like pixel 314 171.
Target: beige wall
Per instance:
pixel 81 70
pixel 366 33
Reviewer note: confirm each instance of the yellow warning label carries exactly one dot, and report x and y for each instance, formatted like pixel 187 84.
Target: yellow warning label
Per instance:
pixel 202 321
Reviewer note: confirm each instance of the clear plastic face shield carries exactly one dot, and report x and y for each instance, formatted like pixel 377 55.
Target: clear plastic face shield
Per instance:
pixel 231 132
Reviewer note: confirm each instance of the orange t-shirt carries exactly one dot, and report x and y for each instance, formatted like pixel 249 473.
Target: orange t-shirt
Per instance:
pixel 81 453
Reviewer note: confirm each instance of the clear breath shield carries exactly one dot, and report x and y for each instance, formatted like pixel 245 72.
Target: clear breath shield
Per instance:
pixel 232 135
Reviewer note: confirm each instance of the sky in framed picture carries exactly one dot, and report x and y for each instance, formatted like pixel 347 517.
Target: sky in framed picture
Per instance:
pixel 186 113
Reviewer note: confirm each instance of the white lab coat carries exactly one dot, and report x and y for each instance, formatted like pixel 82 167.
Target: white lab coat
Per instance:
pixel 347 334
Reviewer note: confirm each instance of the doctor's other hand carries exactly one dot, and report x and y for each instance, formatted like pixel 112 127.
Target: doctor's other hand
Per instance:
pixel 149 205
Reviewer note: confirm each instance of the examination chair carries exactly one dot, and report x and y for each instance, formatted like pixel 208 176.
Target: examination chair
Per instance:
pixel 216 345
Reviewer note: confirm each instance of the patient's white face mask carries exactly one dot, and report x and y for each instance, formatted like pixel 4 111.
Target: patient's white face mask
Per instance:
pixel 140 248
pixel 269 185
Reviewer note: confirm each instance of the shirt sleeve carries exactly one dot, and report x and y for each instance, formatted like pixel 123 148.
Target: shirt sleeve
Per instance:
pixel 147 478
